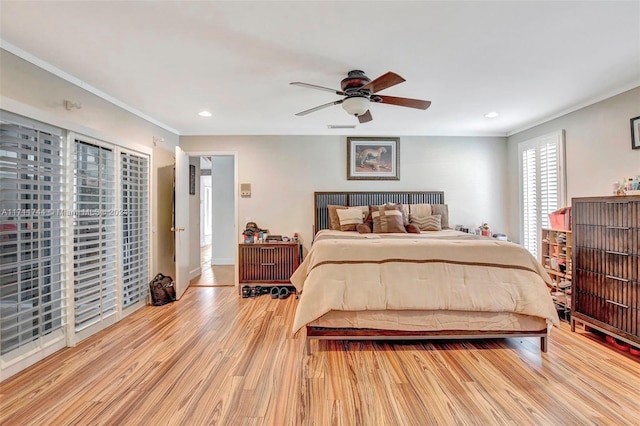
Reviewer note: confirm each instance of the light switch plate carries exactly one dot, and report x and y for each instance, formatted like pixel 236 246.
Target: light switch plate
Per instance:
pixel 245 190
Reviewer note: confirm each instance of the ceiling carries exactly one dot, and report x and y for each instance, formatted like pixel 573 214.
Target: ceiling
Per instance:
pixel 530 61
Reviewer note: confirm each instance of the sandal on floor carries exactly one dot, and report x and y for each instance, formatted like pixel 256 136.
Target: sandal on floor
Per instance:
pixel 275 292
pixel 284 293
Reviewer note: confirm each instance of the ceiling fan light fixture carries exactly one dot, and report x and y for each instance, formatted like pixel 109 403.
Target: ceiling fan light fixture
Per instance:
pixel 205 114
pixel 492 114
pixel 356 105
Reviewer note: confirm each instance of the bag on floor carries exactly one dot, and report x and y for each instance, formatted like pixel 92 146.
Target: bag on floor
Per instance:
pixel 162 290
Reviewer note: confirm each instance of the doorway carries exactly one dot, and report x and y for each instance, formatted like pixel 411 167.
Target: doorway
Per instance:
pixel 218 203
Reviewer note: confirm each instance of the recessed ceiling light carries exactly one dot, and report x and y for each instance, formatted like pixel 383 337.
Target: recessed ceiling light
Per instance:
pixel 341 126
pixel 491 114
pixel 204 114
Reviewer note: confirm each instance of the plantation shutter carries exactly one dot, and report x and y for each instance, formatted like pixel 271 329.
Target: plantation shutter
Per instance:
pixel 541 185
pixel 32 304
pixel 94 235
pixel 134 170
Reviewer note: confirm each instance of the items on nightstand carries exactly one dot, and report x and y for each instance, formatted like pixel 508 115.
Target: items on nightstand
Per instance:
pixel 254 234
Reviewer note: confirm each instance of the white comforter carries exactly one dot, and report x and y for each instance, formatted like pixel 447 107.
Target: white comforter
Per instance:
pixel 431 271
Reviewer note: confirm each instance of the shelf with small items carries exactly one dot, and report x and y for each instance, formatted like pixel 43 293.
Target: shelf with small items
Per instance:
pixel 556 257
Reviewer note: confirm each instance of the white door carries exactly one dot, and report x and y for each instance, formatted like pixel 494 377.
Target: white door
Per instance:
pixel 181 221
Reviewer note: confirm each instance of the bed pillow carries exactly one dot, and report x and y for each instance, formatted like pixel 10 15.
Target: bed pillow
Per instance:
pixel 349 218
pixel 412 228
pixel 334 220
pixel 387 219
pixel 427 223
pixel 404 208
pixel 443 211
pixel 430 209
pixel 420 210
pixel 363 228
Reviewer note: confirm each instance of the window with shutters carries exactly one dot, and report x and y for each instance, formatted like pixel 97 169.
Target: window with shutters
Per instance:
pixel 32 273
pixel 134 171
pixel 94 235
pixel 542 183
pixel 74 238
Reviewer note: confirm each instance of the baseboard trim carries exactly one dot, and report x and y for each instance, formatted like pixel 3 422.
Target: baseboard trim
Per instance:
pixel 195 273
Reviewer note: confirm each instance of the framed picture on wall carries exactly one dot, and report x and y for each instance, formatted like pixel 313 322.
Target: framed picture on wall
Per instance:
pixel 373 158
pixel 635 133
pixel 192 179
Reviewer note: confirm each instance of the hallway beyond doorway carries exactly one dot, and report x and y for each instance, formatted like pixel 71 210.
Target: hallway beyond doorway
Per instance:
pixel 213 275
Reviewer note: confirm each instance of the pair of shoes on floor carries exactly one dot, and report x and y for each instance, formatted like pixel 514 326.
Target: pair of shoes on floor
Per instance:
pixel 280 292
pixel 248 291
pixel 259 290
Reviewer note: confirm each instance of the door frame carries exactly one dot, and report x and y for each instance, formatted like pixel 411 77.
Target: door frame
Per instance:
pixel 236 196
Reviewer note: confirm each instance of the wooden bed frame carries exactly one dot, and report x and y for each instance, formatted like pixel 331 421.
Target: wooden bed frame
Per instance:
pixel 321 213
pixel 324 333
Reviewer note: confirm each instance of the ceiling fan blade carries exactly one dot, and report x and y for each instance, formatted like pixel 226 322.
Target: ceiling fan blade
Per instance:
pixel 313 86
pixel 366 117
pixel 385 80
pixel 320 107
pixel 405 102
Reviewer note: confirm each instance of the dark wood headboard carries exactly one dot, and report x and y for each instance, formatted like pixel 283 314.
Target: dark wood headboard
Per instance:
pixel 323 199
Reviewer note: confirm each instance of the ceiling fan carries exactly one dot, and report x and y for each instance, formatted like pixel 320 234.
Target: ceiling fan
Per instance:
pixel 359 91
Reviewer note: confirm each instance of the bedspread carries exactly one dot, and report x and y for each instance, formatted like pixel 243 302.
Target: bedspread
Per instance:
pixel 434 271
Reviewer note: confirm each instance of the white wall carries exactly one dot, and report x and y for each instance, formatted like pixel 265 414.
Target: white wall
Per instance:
pixel 223 235
pixel 284 171
pixel 28 90
pixel 205 208
pixel 597 145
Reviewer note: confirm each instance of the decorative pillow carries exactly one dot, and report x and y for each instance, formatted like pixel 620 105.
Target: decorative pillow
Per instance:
pixel 427 223
pixel 365 210
pixel 404 208
pixel 349 218
pixel 387 219
pixel 443 211
pixel 420 210
pixel 363 228
pixel 334 220
pixel 412 228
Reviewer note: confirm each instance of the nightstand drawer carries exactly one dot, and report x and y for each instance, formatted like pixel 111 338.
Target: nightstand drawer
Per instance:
pixel 269 262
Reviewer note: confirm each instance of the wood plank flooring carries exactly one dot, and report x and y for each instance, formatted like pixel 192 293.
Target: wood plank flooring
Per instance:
pixel 213 275
pixel 215 358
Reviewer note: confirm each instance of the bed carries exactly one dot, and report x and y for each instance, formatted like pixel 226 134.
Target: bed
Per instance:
pixel 436 284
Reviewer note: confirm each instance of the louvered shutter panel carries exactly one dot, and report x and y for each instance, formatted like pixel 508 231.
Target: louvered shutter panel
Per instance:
pixel 31 235
pixel 94 235
pixel 134 170
pixel 542 185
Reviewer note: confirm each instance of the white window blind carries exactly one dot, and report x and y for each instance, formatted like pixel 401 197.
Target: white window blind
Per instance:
pixel 31 236
pixel 94 235
pixel 134 171
pixel 541 185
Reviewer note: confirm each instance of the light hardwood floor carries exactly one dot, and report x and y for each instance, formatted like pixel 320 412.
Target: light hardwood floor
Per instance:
pixel 215 358
pixel 213 275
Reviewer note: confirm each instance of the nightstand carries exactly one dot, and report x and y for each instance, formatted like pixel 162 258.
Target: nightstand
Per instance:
pixel 268 263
